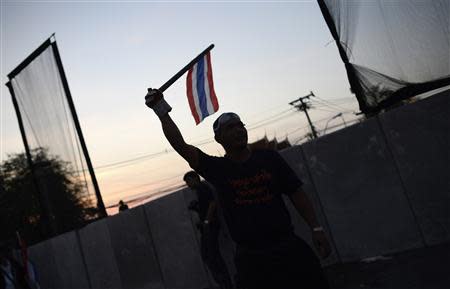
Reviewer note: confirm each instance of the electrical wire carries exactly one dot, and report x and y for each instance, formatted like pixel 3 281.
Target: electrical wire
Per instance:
pixel 147 184
pixel 124 163
pixel 140 197
pixel 329 103
pixel 169 187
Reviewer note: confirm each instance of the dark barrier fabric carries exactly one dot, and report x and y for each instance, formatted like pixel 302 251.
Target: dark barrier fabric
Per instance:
pixel 46 115
pixel 53 141
pixel 392 50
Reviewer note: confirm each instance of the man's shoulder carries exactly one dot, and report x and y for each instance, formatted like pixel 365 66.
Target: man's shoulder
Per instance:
pixel 205 155
pixel 271 153
pixel 207 161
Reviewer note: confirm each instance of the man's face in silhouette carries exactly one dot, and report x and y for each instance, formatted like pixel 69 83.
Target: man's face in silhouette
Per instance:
pixel 232 134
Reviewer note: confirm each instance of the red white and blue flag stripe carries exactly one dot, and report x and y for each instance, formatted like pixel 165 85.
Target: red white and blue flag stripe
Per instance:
pixel 200 89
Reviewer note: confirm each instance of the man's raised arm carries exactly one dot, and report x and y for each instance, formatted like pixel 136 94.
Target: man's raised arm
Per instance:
pixel 155 100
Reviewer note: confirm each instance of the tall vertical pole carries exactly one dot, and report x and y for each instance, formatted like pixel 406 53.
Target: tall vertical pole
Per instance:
pixel 304 107
pixel 100 204
pixel 49 227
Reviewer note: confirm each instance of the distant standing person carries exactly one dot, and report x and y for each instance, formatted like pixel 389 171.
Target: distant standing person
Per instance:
pixel 122 206
pixel 250 185
pixel 209 226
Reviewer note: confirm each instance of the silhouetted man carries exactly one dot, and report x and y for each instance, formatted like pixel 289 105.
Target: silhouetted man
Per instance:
pixel 209 227
pixel 250 185
pixel 122 206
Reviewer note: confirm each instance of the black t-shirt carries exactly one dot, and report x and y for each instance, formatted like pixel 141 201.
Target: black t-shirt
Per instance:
pixel 204 196
pixel 250 194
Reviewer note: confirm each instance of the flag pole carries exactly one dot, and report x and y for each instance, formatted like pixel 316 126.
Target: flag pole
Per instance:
pixel 184 69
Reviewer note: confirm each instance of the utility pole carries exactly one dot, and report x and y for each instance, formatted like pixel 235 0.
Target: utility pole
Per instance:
pixel 300 104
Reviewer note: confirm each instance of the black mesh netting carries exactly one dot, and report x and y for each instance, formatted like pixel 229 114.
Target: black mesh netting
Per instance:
pixel 394 49
pixel 49 127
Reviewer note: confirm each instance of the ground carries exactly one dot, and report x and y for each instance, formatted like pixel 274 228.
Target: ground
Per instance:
pixel 425 268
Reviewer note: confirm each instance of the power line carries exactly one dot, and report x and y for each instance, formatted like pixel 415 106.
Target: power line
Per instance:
pixel 128 161
pixel 124 163
pixel 330 104
pixel 278 116
pixel 342 99
pixel 340 124
pixel 147 184
pixel 145 195
pixel 331 127
pixel 326 110
pixel 320 104
pixel 253 127
pixel 209 139
pixel 178 184
pixel 271 118
pixel 300 128
pixel 301 138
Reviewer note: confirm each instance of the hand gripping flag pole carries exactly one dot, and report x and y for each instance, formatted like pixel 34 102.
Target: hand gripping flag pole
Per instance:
pixel 200 87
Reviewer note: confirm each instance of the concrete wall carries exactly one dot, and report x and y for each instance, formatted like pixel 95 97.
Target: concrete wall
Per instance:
pixel 59 263
pixel 418 135
pixel 360 192
pixel 99 256
pixel 43 257
pixel 295 158
pixel 175 242
pixel 148 247
pixel 69 262
pixel 378 187
pixel 134 250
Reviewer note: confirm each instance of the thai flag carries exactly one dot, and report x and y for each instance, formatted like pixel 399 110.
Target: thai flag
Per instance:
pixel 200 89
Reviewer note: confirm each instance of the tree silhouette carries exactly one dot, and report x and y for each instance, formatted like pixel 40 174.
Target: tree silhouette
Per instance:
pixel 21 209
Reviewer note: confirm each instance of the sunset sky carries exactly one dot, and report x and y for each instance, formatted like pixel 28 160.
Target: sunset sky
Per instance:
pixel 266 54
